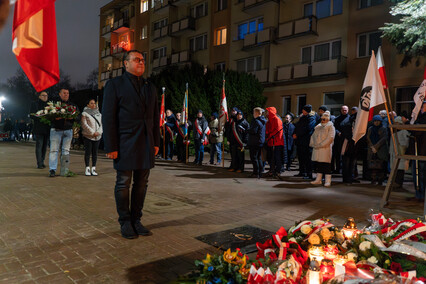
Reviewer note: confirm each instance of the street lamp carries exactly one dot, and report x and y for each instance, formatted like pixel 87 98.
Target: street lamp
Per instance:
pixel 2 98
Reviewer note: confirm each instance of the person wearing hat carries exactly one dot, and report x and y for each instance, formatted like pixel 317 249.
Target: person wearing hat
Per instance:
pixel 302 135
pixel 228 134
pixel 321 110
pixel 322 143
pixel 201 132
pixel 170 134
pixel 275 142
pixel 256 140
pixel 378 150
pixel 402 138
pixel 215 139
pixel 238 142
pixel 288 128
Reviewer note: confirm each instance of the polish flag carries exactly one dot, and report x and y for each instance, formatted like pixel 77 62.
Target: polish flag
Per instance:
pixel 372 94
pixel 223 112
pixel 34 41
pixel 382 72
pixel 162 111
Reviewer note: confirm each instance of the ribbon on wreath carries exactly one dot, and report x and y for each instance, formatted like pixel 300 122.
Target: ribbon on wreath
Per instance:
pixel 267 248
pixel 319 228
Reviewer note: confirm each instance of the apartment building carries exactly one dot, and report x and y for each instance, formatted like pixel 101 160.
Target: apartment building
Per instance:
pixel 303 51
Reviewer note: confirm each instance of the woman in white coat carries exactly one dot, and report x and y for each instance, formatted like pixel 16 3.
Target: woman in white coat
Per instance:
pixel 91 124
pixel 322 143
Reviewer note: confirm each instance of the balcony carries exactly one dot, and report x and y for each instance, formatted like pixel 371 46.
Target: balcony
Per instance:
pixel 117 72
pixel 161 32
pixel 106 31
pixel 297 28
pixel 117 50
pixel 121 25
pixel 319 69
pixel 187 23
pixel 160 62
pixel 180 57
pixel 261 75
pixel 106 75
pixel 159 5
pixel 259 38
pixel 105 53
pixel 248 4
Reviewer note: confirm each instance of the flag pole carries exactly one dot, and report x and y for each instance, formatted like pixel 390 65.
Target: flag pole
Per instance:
pixel 223 140
pixel 164 127
pixel 187 132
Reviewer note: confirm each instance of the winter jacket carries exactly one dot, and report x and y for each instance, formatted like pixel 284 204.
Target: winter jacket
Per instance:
pixel 202 122
pixel 39 127
pixel 381 145
pixel 256 132
pixel 228 128
pixel 241 127
pixel 91 124
pixel 288 135
pixel 322 142
pixel 304 129
pixel 274 128
pixel 215 136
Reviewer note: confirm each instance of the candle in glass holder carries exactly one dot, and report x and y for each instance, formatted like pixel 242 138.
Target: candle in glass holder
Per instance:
pixel 317 252
pixel 330 252
pixel 327 269
pixel 349 229
pixel 339 268
pixel 314 273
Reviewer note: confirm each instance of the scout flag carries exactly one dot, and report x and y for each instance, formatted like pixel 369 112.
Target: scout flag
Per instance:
pixel 419 98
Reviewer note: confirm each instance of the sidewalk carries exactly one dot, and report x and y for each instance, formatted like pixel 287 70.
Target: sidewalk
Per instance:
pixel 65 230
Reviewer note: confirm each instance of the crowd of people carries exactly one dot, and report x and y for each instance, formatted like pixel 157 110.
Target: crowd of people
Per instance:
pixel 321 142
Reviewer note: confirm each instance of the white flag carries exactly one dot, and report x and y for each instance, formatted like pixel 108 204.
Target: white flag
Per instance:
pixel 372 94
pixel 419 98
pixel 223 111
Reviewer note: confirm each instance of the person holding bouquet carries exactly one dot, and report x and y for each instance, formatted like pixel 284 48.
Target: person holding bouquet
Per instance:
pixel 91 124
pixel 61 133
pixel 41 130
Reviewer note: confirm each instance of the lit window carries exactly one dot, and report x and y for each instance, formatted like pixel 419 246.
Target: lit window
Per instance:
pixel 220 36
pixel 144 6
pixel 368 42
pixel 249 27
pixel 144 33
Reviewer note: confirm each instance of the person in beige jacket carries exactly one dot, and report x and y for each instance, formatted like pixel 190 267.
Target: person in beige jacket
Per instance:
pixel 322 143
pixel 91 124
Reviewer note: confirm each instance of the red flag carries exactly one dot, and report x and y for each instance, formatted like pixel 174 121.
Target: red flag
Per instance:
pixel 34 41
pixel 162 111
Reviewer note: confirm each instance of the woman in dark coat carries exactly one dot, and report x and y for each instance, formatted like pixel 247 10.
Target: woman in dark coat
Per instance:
pixel 378 150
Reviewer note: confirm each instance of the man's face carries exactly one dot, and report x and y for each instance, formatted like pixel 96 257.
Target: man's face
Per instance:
pixel 377 122
pixel 64 95
pixel 234 112
pixel 239 116
pixel 256 114
pixel 179 115
pixel 135 64
pixel 344 110
pixel 288 118
pixel 43 96
pixel 200 115
pixel 354 110
pixel 304 112
pixel 168 112
pixel 321 112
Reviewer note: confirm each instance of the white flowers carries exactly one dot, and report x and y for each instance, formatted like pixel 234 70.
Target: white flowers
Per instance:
pixel 372 259
pixel 365 245
pixel 53 111
pixel 305 229
pixel 292 240
pixel 351 256
pixel 40 112
pixel 318 222
pixel 62 110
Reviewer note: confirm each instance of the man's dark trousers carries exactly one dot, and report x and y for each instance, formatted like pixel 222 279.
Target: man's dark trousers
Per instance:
pixel 122 193
pixel 41 145
pixel 256 159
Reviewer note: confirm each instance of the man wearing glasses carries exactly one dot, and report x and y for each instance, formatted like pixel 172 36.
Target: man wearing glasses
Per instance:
pixel 41 131
pixel 131 121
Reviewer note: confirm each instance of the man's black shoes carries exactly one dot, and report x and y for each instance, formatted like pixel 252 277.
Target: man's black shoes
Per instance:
pixel 127 231
pixel 140 229
pixel 52 173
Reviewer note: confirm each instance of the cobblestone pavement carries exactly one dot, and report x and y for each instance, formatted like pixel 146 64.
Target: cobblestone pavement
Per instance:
pixel 65 230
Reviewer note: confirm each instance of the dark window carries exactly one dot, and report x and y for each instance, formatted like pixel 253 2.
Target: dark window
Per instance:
pixel 323 9
pixel 337 7
pixel 301 102
pixel 336 49
pixel 220 66
pixel 369 3
pixel 368 42
pixel 375 42
pixel 308 10
pixel 362 45
pixel 321 52
pixel 306 55
pixel 222 4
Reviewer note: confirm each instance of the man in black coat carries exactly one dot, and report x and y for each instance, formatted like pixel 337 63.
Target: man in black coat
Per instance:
pixel 130 119
pixel 338 139
pixel 288 127
pixel 40 130
pixel 170 134
pixel 256 140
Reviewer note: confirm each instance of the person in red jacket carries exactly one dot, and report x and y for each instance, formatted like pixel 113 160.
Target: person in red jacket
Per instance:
pixel 275 141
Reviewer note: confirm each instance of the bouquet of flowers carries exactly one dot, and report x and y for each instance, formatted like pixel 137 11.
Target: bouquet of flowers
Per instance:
pixel 56 110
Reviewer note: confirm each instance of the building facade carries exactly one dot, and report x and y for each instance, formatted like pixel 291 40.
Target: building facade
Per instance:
pixel 303 52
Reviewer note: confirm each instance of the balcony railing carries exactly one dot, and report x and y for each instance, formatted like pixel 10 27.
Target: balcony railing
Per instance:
pixel 160 62
pixel 117 72
pixel 106 52
pixel 261 75
pixel 253 3
pixel 297 27
pixel 315 69
pixel 106 75
pixel 183 24
pixel 161 32
pixel 121 25
pixel 163 4
pixel 259 38
pixel 180 57
pixel 106 30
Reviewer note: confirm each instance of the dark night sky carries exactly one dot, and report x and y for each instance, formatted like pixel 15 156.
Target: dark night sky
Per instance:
pixel 78 39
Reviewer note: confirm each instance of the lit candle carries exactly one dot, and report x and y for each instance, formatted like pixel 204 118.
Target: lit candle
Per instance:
pixel 339 268
pixel 314 273
pixel 316 252
pixel 349 229
pixel 327 269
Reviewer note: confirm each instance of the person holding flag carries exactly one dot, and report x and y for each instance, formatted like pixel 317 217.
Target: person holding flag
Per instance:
pixel 238 141
pixel 170 127
pixel 229 135
pixel 223 116
pixel 201 132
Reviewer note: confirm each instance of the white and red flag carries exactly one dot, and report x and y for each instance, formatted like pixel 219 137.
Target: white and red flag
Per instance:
pixel 372 94
pixel 162 111
pixel 223 111
pixel 382 72
pixel 419 98
pixel 34 41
